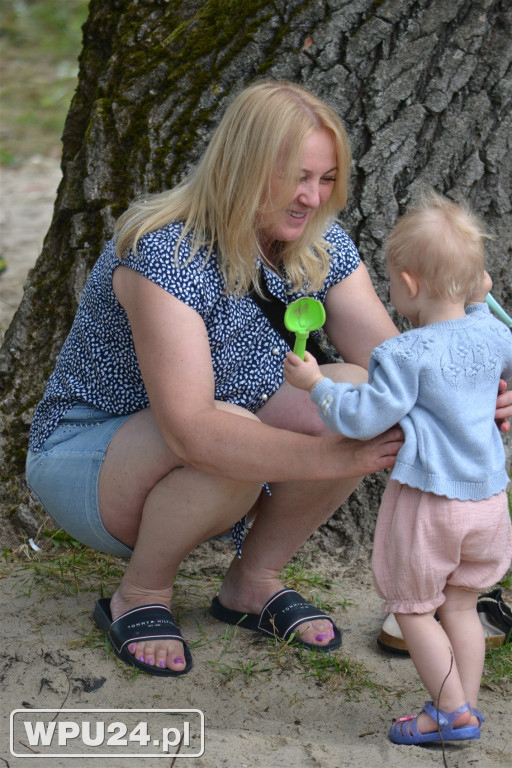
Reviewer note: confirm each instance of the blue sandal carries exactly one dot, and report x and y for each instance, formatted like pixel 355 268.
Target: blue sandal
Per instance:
pixel 405 729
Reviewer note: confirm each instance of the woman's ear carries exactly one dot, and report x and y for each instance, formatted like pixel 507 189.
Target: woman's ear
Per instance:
pixel 412 283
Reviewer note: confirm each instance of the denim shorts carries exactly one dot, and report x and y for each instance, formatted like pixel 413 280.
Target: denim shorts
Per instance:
pixel 64 475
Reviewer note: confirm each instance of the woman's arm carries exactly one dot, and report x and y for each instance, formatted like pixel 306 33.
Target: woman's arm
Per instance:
pixel 357 321
pixel 172 348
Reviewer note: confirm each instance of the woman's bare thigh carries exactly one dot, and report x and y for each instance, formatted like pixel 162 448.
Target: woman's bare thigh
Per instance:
pixel 136 460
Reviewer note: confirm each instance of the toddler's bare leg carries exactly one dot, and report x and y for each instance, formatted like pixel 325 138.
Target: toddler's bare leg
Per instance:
pixel 460 621
pixel 437 662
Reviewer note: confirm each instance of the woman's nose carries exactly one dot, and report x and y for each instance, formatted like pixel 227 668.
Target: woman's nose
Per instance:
pixel 310 195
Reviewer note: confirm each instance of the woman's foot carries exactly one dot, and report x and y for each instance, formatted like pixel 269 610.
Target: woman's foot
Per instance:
pixel 250 597
pixel 158 653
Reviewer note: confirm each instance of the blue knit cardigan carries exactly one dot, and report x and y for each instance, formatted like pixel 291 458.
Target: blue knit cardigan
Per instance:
pixel 439 382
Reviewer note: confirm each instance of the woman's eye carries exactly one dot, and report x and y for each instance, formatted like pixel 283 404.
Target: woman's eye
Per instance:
pixel 329 179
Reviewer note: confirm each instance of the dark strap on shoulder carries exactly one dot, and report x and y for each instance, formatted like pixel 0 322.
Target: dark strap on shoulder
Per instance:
pixel 274 310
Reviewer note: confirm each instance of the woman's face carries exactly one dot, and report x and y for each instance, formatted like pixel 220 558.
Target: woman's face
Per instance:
pixel 317 175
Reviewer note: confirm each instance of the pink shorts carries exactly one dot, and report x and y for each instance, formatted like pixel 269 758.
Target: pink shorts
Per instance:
pixel 424 541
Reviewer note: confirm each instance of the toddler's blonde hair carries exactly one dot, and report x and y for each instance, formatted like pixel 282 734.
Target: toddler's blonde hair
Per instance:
pixel 442 243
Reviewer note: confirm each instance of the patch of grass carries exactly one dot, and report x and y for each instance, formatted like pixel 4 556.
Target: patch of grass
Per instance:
pixel 498 669
pixel 340 672
pixel 506 582
pixel 40 41
pixel 64 566
pixel 313 586
pixel 331 671
pixel 296 577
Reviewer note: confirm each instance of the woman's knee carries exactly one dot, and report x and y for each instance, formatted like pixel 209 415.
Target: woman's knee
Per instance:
pixel 345 373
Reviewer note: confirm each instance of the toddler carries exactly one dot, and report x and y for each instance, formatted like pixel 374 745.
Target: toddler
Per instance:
pixel 443 531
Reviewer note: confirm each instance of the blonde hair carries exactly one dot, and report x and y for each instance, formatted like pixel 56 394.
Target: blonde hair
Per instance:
pixel 221 200
pixel 442 243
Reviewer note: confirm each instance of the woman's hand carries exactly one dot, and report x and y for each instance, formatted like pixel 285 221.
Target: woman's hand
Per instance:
pixel 303 374
pixel 503 406
pixel 364 457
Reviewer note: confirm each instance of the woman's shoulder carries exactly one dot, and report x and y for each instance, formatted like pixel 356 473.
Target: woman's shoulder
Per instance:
pixel 170 248
pixel 167 257
pixel 336 236
pixel 165 239
pixel 344 256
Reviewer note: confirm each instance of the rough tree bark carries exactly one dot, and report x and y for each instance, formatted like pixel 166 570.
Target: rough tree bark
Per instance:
pixel 424 88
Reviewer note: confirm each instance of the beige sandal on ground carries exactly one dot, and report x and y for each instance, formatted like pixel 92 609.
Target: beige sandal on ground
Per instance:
pixel 493 612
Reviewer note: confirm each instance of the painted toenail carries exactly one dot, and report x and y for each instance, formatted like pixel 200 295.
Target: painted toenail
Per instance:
pixel 131 648
pixel 178 660
pixel 141 658
pixel 150 661
pixel 322 637
pixel 162 664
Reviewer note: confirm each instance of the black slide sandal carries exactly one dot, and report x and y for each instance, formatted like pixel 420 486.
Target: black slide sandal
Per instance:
pixel 279 618
pixel 148 622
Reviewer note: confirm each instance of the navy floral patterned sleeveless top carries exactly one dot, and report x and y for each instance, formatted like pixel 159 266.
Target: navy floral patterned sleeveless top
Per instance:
pixel 97 364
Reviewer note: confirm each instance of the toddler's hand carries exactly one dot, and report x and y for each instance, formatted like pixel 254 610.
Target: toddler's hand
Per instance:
pixel 303 374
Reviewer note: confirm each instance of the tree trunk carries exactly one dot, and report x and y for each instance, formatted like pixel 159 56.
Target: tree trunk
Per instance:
pixel 423 87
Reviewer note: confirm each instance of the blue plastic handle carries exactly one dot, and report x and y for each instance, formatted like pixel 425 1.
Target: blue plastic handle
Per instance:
pixel 498 310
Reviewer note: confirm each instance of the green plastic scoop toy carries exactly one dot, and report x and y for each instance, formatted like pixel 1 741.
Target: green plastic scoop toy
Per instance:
pixel 302 317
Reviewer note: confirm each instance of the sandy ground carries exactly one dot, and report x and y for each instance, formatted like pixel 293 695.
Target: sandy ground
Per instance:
pixel 263 707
